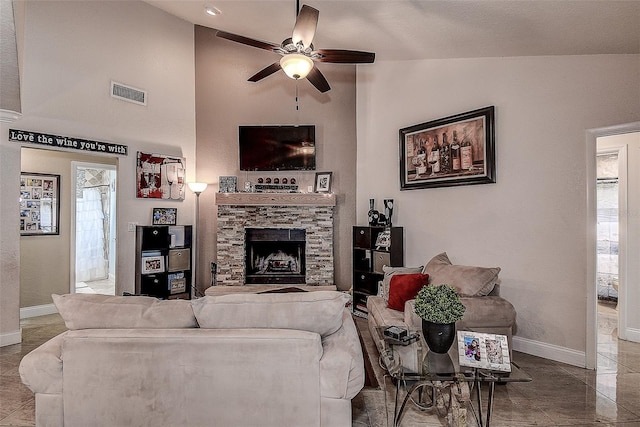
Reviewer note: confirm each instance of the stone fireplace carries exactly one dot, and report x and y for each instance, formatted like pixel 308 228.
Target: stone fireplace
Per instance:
pixel 251 225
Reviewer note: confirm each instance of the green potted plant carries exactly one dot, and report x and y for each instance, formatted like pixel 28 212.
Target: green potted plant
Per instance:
pixel 440 308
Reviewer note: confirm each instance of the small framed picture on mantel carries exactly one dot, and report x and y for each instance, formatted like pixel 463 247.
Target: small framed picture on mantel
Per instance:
pixel 322 183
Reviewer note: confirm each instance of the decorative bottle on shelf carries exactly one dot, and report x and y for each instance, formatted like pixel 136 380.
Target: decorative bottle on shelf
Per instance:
pixel 434 156
pixel 388 210
pixel 455 153
pixel 466 153
pixel 445 155
pixel 373 215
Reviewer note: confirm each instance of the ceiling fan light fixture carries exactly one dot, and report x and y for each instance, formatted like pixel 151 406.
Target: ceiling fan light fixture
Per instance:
pixel 296 65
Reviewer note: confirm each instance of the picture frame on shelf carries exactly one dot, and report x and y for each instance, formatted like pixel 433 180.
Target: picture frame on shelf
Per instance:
pixel 164 216
pixel 451 151
pixel 322 183
pixel 39 206
pixel 152 264
pixel 484 351
pixel 177 283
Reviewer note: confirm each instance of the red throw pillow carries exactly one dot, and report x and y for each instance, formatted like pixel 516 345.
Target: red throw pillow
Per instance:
pixel 404 287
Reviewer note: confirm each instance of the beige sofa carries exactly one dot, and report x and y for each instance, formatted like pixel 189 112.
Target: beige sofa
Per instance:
pixel 289 359
pixel 479 290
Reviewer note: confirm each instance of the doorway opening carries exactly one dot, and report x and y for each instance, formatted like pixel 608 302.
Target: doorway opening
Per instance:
pixel 95 228
pixel 607 326
pixel 608 249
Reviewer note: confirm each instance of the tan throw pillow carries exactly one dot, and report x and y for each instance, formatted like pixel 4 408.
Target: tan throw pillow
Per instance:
pixel 95 311
pixel 316 311
pixel 467 280
pixel 389 272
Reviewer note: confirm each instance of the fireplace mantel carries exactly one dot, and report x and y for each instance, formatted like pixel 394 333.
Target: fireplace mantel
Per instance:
pixel 276 199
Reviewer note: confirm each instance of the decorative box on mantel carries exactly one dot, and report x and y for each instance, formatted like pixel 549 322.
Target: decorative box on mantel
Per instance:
pixel 311 212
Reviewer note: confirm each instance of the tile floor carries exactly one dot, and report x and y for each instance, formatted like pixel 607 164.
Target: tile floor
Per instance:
pixel 106 286
pixel 559 395
pixel 17 403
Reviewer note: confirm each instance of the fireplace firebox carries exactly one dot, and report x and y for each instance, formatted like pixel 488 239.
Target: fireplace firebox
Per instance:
pixel 275 256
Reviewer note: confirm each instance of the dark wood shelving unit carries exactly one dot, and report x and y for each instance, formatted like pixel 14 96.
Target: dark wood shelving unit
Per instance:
pixel 368 260
pixel 163 261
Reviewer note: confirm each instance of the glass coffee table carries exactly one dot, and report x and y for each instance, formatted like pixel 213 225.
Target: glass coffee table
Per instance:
pixel 439 381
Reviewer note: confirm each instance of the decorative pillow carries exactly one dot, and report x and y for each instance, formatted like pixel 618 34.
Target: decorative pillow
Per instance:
pixel 467 280
pixel 317 311
pixel 404 287
pixel 95 311
pixel 389 272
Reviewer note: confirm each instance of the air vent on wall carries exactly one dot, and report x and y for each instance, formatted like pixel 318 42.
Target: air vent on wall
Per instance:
pixel 128 93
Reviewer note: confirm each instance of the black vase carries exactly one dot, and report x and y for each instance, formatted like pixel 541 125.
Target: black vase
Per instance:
pixel 438 336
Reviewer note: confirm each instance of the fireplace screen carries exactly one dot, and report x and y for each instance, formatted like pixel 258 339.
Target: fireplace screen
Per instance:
pixel 274 256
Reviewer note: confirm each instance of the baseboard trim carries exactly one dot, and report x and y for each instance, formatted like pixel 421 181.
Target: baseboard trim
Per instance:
pixel 11 338
pixel 633 334
pixel 550 351
pixel 37 310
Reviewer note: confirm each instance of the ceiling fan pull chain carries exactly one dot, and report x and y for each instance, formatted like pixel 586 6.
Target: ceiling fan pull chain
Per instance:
pixel 297 109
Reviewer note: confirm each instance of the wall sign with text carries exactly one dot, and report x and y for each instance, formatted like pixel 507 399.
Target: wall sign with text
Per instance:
pixel 66 142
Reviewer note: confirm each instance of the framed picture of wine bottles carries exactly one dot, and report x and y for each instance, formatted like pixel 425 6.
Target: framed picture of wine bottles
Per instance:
pixel 455 150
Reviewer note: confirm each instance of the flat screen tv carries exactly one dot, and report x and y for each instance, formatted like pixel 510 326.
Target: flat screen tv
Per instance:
pixel 277 148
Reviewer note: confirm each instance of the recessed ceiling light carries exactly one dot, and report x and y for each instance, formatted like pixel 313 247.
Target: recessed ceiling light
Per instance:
pixel 212 10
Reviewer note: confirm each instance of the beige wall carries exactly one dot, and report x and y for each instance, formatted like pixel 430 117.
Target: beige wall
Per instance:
pixel 533 221
pixel 9 240
pixel 70 53
pixel 225 100
pixel 45 260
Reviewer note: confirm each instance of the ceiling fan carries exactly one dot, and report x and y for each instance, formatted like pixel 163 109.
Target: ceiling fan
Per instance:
pixel 298 54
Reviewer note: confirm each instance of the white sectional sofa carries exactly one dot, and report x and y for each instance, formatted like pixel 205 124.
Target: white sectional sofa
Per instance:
pixel 291 359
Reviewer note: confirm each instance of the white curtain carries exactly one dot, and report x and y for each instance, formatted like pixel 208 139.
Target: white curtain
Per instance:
pixel 90 245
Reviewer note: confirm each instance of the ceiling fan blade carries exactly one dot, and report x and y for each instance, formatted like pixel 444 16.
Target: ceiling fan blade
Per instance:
pixel 305 27
pixel 247 41
pixel 316 78
pixel 339 56
pixel 265 72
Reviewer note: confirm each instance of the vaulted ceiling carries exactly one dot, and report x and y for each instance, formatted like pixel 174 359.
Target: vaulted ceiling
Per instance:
pixel 410 29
